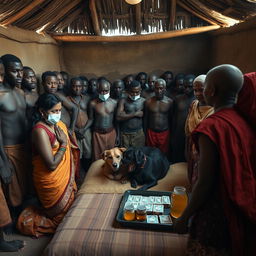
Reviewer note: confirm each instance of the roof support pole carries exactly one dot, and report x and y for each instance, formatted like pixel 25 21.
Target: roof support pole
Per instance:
pixel 95 20
pixel 138 18
pixel 172 14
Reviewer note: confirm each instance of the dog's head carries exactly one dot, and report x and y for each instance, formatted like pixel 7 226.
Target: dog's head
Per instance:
pixel 133 158
pixel 113 158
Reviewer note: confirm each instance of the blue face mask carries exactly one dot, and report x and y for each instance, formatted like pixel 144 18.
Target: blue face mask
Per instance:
pixel 54 118
pixel 134 98
pixel 104 97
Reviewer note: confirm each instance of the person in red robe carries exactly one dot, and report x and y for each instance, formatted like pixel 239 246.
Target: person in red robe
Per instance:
pixel 223 199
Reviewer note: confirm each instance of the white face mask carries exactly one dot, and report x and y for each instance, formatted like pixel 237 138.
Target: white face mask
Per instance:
pixel 104 97
pixel 54 118
pixel 134 98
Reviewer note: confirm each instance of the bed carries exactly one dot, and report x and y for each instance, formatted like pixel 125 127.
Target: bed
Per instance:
pixel 89 228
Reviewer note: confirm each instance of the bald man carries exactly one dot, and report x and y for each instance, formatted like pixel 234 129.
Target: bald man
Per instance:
pixel 158 115
pixel 102 111
pixel 223 198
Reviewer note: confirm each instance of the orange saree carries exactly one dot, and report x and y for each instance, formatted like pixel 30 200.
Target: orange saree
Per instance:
pixel 55 189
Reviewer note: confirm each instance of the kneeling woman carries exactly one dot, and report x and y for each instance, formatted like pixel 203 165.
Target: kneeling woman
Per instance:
pixel 54 166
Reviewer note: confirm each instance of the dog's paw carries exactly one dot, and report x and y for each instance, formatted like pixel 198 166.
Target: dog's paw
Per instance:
pixel 124 181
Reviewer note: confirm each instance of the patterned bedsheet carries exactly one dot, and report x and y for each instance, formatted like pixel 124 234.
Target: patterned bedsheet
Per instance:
pixel 90 229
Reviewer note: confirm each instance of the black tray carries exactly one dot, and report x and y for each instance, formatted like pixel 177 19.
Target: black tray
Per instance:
pixel 143 224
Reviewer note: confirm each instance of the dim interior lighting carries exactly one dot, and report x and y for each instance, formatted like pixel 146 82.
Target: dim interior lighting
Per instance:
pixel 133 1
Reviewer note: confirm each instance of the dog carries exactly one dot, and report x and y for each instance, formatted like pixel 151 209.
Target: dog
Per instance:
pixel 145 166
pixel 113 160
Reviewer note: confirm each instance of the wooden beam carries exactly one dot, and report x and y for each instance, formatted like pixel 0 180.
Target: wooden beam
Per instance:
pixel 62 13
pixel 22 12
pixel 138 18
pixel 184 6
pixel 148 37
pixel 95 20
pixel 172 14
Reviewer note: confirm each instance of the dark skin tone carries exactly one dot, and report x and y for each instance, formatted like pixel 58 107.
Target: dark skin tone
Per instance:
pixel 5 168
pixel 50 85
pixel 92 87
pixel 61 82
pixel 198 88
pixel 103 112
pixel 118 90
pixel 130 112
pixel 82 102
pixel 41 141
pixel 158 109
pixel 143 79
pixel 128 80
pixel 29 85
pixel 150 91
pixel 209 163
pixel 14 74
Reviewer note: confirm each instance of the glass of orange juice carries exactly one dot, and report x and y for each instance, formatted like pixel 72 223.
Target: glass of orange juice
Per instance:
pixel 179 201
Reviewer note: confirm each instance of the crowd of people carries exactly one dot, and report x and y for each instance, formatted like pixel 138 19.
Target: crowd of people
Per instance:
pixel 52 131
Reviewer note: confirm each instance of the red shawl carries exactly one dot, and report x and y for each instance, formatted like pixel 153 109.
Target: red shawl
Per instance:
pixel 246 104
pixel 236 143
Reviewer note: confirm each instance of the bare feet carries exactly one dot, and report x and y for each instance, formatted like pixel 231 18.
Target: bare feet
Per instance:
pixel 11 246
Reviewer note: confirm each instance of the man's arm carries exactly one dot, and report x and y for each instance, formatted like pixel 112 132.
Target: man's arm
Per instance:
pixel 5 167
pixel 71 108
pixel 207 176
pixel 121 115
pixel 90 116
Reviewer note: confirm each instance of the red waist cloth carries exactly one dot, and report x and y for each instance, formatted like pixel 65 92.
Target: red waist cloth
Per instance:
pixel 235 140
pixel 158 139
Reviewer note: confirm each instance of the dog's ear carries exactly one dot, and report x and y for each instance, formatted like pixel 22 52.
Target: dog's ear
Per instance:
pixel 104 155
pixel 122 149
pixel 139 157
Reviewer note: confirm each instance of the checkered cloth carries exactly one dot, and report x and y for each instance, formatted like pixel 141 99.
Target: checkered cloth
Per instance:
pixel 90 229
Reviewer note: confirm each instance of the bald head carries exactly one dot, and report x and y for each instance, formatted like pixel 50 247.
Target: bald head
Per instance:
pixel 224 82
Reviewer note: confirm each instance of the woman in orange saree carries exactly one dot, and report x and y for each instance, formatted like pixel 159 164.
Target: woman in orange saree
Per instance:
pixel 54 166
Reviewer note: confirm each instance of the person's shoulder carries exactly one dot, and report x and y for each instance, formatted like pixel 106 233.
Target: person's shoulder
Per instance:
pixel 112 101
pixel 142 99
pixel 167 99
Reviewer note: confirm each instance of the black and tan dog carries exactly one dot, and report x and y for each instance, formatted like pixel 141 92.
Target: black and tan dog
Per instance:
pixel 145 166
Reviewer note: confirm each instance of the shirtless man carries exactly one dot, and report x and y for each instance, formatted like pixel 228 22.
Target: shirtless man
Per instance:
pixel 50 84
pixel 117 92
pixel 92 88
pixel 29 86
pixel 83 123
pixel 85 83
pixel 66 82
pixel 127 81
pixel 168 77
pixel 13 112
pixel 7 116
pixel 142 77
pixel 182 103
pixel 102 112
pixel 148 93
pixel 130 117
pixel 158 115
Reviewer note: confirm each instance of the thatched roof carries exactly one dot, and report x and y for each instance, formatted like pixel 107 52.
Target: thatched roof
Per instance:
pixel 106 17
